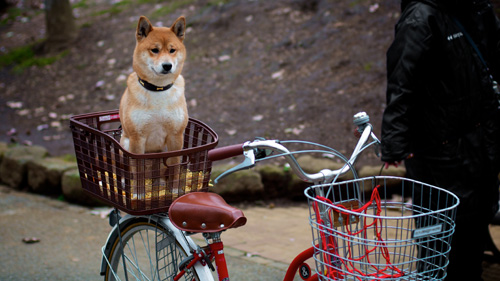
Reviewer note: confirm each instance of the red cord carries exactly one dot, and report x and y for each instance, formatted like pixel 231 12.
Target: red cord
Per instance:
pixel 329 244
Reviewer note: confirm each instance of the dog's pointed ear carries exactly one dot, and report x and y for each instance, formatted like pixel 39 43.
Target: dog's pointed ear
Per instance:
pixel 144 27
pixel 179 28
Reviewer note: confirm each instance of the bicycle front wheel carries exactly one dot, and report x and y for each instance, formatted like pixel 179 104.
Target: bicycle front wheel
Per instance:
pixel 151 252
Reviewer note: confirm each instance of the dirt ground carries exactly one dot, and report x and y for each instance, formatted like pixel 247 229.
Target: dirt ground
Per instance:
pixel 286 69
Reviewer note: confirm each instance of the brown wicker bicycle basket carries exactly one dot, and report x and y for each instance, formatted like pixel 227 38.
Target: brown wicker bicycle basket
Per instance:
pixel 138 184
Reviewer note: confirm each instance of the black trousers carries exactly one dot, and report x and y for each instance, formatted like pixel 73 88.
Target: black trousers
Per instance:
pixel 478 194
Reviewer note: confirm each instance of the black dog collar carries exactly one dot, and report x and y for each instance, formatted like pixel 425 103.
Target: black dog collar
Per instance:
pixel 152 87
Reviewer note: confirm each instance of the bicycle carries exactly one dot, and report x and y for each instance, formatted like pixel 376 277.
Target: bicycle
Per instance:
pixel 153 241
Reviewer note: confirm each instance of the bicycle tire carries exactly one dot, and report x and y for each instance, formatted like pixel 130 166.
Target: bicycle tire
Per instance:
pixel 140 238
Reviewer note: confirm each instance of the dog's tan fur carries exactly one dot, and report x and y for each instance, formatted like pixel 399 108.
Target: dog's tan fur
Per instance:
pixel 155 121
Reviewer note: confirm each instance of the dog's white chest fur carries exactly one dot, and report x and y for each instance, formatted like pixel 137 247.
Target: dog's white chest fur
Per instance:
pixel 160 115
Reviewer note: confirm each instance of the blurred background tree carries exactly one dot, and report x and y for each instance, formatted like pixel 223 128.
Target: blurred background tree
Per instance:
pixel 60 26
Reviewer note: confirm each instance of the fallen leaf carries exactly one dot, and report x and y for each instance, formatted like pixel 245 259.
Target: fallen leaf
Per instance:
pixel 374 8
pixel 258 117
pixel 42 127
pixel 296 131
pixel 121 77
pixel 99 84
pixel 55 124
pixel 23 112
pixel 31 240
pixel 39 110
pixel 278 74
pixel 339 24
pixel 15 104
pixel 12 132
pixel 224 58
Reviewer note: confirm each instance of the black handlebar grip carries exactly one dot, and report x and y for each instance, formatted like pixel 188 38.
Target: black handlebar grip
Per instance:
pixel 225 152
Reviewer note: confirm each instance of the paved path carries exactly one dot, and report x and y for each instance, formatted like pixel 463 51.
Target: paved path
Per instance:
pixel 71 238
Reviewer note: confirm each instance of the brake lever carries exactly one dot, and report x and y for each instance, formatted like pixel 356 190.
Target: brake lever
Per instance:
pixel 248 163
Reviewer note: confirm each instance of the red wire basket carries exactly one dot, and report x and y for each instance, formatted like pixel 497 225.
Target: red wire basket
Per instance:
pixel 138 184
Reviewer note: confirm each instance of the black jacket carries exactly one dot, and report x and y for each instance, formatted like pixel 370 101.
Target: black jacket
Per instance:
pixel 440 101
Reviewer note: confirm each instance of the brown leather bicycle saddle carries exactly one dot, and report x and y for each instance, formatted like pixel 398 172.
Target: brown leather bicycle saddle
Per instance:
pixel 204 212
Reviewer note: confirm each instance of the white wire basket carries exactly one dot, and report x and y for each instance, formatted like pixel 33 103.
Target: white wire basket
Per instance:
pixel 381 228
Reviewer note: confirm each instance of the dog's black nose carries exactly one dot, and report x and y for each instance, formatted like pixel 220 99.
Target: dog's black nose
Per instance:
pixel 167 67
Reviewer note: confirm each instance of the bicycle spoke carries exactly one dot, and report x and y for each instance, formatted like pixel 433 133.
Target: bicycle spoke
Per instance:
pixel 134 265
pixel 148 253
pixel 132 259
pixel 134 255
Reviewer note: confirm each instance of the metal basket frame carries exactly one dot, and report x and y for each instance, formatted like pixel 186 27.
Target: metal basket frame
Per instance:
pixel 416 226
pixel 138 184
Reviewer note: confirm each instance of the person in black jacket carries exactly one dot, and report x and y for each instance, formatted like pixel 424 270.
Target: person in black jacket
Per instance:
pixel 442 113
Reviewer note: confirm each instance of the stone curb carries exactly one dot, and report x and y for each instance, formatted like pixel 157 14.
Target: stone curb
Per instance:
pixel 32 168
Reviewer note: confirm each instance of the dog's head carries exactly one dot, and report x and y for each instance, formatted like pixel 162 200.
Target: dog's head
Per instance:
pixel 159 53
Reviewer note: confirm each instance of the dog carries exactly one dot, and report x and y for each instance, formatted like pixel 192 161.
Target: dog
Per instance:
pixel 153 111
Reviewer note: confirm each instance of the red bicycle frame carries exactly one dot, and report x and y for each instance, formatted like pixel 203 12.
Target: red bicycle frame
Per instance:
pixel 216 252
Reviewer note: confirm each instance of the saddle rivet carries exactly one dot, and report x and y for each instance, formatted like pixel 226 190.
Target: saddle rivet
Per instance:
pixel 203 225
pixel 184 224
pixel 222 226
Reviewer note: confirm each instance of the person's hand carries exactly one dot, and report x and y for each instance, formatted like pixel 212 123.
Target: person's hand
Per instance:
pixel 396 163
pixel 357 133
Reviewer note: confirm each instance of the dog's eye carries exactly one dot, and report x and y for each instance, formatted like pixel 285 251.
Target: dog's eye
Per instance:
pixel 172 51
pixel 155 51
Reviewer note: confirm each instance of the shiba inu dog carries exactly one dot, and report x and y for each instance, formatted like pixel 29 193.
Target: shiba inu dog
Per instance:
pixel 153 110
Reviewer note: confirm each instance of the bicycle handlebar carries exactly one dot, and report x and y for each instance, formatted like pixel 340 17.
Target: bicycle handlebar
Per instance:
pixel 225 152
pixel 251 148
